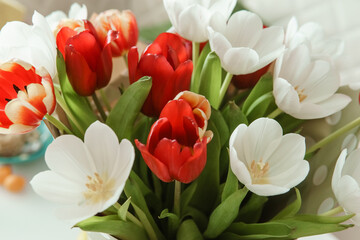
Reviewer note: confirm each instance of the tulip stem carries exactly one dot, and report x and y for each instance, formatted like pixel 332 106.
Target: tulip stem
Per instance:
pixel 129 215
pixel 105 100
pixel 99 107
pixel 177 194
pixel 195 53
pixel 332 212
pixel 333 136
pixel 275 113
pixel 60 100
pixel 59 125
pixel 223 89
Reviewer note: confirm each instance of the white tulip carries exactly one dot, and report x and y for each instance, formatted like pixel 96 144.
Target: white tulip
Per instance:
pixel 190 18
pixel 34 45
pixel 313 35
pixel 345 183
pixel 85 177
pixel 76 12
pixel 243 45
pixel 266 161
pixel 306 88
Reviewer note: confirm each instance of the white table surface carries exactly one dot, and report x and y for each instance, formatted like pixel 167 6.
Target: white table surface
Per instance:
pixel 26 216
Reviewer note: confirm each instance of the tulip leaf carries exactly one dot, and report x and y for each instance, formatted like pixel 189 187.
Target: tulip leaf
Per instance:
pixel 124 209
pixel 122 117
pixel 289 123
pixel 78 105
pixel 173 222
pixel 252 210
pixel 210 78
pixel 209 180
pixel 113 226
pixel 221 126
pixel 265 85
pixel 233 116
pixel 199 217
pixel 308 225
pixel 222 217
pixel 195 78
pixel 231 185
pixel 139 204
pixel 188 231
pixel 187 195
pixel 291 209
pixel 260 105
pixel 268 230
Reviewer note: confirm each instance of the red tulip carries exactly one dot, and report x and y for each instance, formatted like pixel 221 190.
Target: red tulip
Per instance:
pixel 175 149
pixel 88 62
pixel 26 95
pixel 123 22
pixel 168 62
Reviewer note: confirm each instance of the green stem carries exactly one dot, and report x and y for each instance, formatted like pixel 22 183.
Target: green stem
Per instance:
pixel 105 100
pixel 99 107
pixel 332 212
pixel 177 195
pixel 60 100
pixel 223 89
pixel 275 113
pixel 59 125
pixel 195 56
pixel 129 215
pixel 334 135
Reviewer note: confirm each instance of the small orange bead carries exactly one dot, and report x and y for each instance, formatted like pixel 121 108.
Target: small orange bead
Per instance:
pixel 14 183
pixel 5 170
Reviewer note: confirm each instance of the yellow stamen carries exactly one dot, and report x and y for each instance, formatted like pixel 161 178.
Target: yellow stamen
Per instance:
pixel 259 171
pixel 99 188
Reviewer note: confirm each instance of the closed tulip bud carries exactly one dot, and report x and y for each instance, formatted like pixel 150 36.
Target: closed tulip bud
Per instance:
pixel 123 22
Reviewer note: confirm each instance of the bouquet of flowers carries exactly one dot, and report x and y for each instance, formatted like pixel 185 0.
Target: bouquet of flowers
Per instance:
pixel 209 117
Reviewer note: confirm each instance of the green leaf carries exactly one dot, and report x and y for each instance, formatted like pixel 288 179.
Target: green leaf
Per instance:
pixel 231 185
pixel 188 231
pixel 252 210
pixel 139 204
pixel 225 214
pixel 267 230
pixel 221 126
pixel 124 209
pixel 173 222
pixel 199 217
pixel 113 226
pixel 195 78
pixel 233 116
pixel 149 34
pixel 308 225
pixel 210 78
pixel 122 117
pixel 79 106
pixel 291 209
pixel 187 195
pixel 209 180
pixel 289 123
pixel 260 105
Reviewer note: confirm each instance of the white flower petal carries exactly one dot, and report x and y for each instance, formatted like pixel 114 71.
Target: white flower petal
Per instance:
pixel 338 169
pixel 102 143
pixel 218 43
pixel 56 188
pixel 348 194
pixel 224 7
pixel 78 12
pixel 74 214
pixel 124 161
pixel 69 157
pixel 239 169
pixel 267 189
pixel 291 30
pixel 290 176
pixel 352 166
pixel 286 98
pixel 240 60
pixel 244 29
pixel 54 18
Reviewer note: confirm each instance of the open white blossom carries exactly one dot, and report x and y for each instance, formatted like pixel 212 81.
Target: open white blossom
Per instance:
pixel 85 177
pixel 34 44
pixel 313 35
pixel 190 18
pixel 266 161
pixel 242 44
pixel 345 183
pixel 76 12
pixel 305 88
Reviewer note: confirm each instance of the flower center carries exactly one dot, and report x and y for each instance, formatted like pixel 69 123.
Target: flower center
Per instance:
pixel 99 189
pixel 259 171
pixel 301 94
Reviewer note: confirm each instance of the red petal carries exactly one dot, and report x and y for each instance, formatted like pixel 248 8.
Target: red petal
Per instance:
pixel 61 38
pixel 194 165
pixel 133 59
pixel 155 165
pixel 81 77
pixel 4 120
pixel 182 77
pixel 159 130
pixel 104 67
